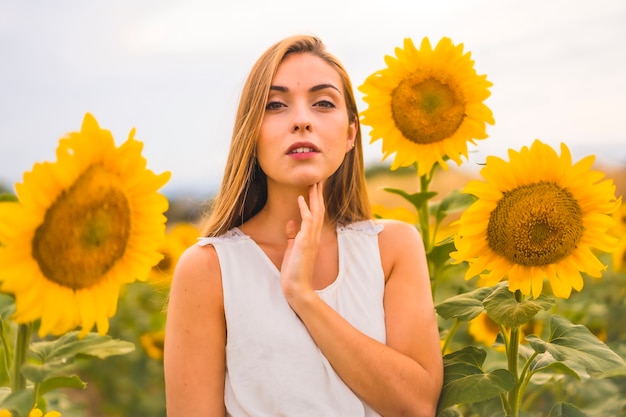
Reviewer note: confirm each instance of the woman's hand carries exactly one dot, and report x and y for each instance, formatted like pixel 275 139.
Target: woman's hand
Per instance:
pixel 302 246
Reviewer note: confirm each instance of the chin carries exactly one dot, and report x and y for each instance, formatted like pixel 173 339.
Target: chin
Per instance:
pixel 306 178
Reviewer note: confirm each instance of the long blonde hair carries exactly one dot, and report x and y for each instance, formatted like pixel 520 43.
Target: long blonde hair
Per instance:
pixel 243 191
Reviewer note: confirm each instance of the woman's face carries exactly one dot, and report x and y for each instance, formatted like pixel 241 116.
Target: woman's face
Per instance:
pixel 305 132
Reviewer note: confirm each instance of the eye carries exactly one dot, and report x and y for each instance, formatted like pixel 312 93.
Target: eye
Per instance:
pixel 274 105
pixel 325 104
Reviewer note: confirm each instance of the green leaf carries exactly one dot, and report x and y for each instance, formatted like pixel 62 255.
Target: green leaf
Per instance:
pixel 20 402
pixel 545 362
pixel 454 201
pixel 471 386
pixel 575 344
pixel 61 382
pixel 7 306
pixel 488 408
pixel 52 358
pixel 70 345
pixel 4 393
pixel 465 382
pixel 566 410
pixel 416 199
pixel 7 335
pixel 449 412
pixel 468 355
pixel 440 253
pixel 503 308
pixel 40 372
pixel 464 306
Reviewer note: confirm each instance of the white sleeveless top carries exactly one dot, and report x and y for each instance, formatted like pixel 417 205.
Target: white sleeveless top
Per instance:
pixel 273 366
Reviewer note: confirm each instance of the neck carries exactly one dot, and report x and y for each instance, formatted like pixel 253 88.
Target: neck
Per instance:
pixel 280 208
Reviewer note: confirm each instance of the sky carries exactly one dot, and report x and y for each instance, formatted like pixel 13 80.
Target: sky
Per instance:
pixel 174 71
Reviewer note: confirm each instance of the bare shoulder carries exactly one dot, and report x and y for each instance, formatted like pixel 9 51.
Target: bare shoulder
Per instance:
pixel 401 248
pixel 198 260
pixel 397 239
pixel 197 280
pixel 393 228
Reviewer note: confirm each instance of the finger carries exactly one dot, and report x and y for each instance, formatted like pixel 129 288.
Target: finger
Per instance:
pixel 316 203
pixel 313 199
pixel 316 198
pixel 305 211
pixel 320 193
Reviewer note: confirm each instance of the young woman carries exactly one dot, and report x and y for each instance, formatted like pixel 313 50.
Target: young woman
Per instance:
pixel 297 303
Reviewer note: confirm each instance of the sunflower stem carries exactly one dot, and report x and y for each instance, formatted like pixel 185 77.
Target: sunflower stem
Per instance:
pixel 24 333
pixel 450 335
pixel 423 212
pixel 513 359
pixel 505 404
pixel 36 393
pixel 524 379
pixel 6 358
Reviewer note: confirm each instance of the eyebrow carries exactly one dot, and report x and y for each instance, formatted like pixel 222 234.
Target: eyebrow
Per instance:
pixel 311 90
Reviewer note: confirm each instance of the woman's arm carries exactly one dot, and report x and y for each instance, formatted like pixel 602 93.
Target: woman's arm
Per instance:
pixel 195 337
pixel 402 377
pixel 410 317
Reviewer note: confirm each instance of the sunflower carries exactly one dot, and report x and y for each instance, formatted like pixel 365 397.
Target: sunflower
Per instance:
pixel 483 329
pixel 83 226
pixel 153 343
pixel 427 104
pixel 537 216
pixel 179 238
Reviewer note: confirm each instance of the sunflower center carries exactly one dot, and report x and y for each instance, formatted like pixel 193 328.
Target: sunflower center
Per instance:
pixel 84 232
pixel 427 110
pixel 535 224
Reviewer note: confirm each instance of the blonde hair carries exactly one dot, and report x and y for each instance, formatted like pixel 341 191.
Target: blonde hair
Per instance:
pixel 243 191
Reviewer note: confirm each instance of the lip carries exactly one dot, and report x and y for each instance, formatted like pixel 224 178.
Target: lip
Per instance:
pixel 296 145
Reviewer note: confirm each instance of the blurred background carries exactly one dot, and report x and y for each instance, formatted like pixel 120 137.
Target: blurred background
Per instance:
pixel 174 70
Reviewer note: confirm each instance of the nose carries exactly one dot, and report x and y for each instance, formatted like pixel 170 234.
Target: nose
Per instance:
pixel 301 120
pixel 299 126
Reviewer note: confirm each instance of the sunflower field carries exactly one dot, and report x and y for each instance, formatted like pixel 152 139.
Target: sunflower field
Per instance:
pixel 527 259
